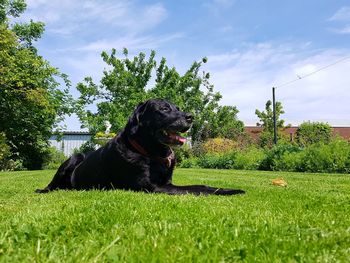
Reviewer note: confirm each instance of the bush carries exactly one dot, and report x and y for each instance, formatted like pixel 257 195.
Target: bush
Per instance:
pixel 14 165
pixel 217 161
pixel 218 146
pixel 4 151
pixel 249 159
pixel 182 153
pixel 197 148
pixel 313 132
pixel 318 157
pixel 88 146
pixel 191 162
pixel 53 158
pixel 6 162
pixel 332 157
pixel 276 153
pixel 290 161
pixel 102 138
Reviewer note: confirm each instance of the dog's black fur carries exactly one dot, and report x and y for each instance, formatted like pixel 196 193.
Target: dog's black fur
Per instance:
pixel 139 158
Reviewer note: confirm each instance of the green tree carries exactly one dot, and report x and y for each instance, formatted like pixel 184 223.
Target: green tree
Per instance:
pixel 224 123
pixel 126 84
pixel 31 102
pixel 313 132
pixel 121 89
pixel 266 117
pixel 4 151
pixel 11 8
pixel 266 121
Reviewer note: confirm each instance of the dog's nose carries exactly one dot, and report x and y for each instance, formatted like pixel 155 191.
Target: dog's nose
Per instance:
pixel 189 117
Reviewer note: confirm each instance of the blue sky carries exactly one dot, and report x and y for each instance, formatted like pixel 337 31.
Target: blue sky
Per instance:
pixel 251 46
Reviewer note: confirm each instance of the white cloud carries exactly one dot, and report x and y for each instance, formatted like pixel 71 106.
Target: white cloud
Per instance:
pixel 217 6
pixel 128 16
pixel 226 29
pixel 342 18
pixel 243 76
pixel 343 30
pixel 343 14
pixel 224 3
pixel 131 42
pixel 245 79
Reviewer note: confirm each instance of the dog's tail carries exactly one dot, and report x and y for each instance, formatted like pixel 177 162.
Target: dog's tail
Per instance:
pixel 62 178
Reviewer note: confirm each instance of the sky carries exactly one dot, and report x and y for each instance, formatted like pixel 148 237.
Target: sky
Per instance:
pixel 251 47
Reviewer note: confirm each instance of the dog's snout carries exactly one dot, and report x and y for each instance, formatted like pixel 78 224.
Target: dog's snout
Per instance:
pixel 189 117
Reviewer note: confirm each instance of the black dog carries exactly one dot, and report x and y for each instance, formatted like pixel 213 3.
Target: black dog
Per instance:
pixel 139 158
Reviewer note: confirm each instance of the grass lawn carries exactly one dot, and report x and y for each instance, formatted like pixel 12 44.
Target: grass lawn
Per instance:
pixel 308 221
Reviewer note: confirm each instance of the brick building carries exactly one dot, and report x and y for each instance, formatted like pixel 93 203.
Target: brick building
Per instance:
pixel 254 132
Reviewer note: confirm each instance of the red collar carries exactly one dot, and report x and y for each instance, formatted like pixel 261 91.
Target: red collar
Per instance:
pixel 166 160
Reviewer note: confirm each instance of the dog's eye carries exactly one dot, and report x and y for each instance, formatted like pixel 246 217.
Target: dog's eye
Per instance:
pixel 164 109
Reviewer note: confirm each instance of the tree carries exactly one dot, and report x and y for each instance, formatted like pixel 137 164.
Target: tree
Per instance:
pixel 126 84
pixel 31 102
pixel 11 8
pixel 122 88
pixel 224 123
pixel 312 132
pixel 266 121
pixel 266 117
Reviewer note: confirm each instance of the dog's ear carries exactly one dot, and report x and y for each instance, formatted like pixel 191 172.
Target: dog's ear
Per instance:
pixel 134 121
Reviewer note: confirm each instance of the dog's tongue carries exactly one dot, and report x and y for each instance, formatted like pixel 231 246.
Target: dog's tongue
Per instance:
pixel 177 138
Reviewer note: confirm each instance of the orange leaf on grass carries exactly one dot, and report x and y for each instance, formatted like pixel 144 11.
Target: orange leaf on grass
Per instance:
pixel 279 182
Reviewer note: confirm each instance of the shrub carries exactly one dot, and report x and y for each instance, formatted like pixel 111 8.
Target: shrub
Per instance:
pixel 182 153
pixel 102 138
pixel 7 163
pixel 191 162
pixel 290 161
pixel 53 158
pixel 244 140
pixel 14 165
pixel 217 161
pixel 88 146
pixel 218 146
pixel 197 148
pixel 276 153
pixel 313 132
pixel 332 157
pixel 317 157
pixel 4 151
pixel 249 159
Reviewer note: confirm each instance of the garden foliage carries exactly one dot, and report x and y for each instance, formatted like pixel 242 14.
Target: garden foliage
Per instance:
pixel 31 100
pixel 126 83
pixel 332 157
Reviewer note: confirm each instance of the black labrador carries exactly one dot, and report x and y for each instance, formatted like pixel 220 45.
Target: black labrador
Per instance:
pixel 139 158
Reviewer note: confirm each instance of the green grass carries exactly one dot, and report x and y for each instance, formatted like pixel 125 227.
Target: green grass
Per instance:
pixel 309 221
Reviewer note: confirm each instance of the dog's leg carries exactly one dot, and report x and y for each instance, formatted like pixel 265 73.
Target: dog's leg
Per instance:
pixel 196 190
pixel 62 178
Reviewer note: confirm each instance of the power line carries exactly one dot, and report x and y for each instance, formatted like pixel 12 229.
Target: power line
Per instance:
pixel 312 73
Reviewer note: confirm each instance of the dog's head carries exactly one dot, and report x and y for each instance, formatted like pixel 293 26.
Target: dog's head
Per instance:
pixel 160 121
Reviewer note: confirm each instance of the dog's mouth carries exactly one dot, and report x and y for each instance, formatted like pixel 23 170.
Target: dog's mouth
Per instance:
pixel 173 137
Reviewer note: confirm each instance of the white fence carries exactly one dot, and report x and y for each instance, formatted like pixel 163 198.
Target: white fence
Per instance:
pixel 69 141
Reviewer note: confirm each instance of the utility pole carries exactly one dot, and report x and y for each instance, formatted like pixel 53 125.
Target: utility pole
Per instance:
pixel 274 116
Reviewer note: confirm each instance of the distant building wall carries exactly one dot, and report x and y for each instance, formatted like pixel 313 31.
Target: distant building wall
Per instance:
pixel 69 141
pixel 255 131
